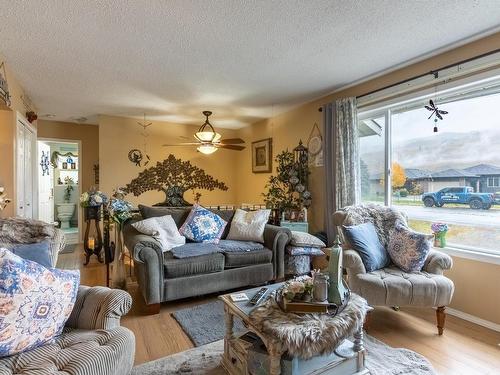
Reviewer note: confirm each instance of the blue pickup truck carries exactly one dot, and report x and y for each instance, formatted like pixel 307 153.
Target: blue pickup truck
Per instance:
pixel 459 195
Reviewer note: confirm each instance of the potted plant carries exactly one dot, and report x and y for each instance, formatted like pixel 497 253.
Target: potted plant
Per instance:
pixel 69 188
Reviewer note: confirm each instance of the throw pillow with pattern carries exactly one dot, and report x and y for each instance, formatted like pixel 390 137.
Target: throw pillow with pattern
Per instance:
pixel 203 225
pixel 408 249
pixel 306 240
pixel 35 302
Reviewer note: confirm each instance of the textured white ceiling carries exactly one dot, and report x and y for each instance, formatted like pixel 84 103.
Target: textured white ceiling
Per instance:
pixel 241 59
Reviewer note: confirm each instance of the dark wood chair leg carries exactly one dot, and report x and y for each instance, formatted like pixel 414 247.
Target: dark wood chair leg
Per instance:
pixel 440 317
pixel 368 320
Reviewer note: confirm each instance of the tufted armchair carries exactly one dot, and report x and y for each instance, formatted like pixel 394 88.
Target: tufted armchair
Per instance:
pixel 391 286
pixel 92 342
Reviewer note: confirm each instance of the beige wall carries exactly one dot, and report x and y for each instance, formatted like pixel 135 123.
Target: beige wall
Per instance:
pixel 89 137
pixel 477 291
pixel 477 288
pixel 118 135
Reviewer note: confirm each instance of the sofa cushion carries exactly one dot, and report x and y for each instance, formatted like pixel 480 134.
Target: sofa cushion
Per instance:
pixel 303 239
pixel 194 249
pixel 303 250
pixel 37 252
pixel 248 225
pixel 202 264
pixel 77 352
pixel 248 258
pixel 162 229
pixel 203 225
pixel 180 214
pixel 35 302
pixel 366 242
pixel 238 246
pixel 409 249
pixel 391 286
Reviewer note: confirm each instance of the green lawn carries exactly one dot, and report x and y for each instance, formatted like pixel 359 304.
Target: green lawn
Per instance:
pixel 484 237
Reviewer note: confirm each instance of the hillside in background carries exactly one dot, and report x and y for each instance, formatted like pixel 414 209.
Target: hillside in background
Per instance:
pixel 440 151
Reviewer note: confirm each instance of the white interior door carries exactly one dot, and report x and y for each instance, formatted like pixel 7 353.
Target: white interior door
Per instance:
pixel 45 185
pixel 20 200
pixel 29 175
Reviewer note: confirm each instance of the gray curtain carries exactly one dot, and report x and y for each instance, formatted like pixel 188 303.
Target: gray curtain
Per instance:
pixel 341 158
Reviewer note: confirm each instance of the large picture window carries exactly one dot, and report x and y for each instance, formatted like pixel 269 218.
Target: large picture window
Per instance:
pixel 449 176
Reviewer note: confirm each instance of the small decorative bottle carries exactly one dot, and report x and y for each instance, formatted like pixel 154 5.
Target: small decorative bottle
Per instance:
pixel 337 291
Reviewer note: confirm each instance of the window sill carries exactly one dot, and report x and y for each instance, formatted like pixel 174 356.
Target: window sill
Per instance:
pixel 470 253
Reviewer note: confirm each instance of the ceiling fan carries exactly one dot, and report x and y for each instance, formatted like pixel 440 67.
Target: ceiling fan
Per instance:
pixel 210 141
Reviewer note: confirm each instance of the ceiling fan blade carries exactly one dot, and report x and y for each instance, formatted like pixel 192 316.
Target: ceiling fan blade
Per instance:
pixel 182 144
pixel 231 147
pixel 231 141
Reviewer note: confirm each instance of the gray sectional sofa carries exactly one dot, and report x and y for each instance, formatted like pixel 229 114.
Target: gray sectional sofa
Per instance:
pixel 199 268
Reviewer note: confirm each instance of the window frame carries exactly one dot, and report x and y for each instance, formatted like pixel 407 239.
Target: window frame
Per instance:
pixel 497 179
pixel 387 109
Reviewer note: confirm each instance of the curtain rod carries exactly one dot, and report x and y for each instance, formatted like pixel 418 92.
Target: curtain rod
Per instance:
pixel 434 72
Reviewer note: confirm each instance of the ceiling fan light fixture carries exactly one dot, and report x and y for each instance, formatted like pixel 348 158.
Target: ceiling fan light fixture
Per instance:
pixel 208 136
pixel 207 149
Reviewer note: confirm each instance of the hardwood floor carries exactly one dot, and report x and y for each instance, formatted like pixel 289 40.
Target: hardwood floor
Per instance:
pixel 465 348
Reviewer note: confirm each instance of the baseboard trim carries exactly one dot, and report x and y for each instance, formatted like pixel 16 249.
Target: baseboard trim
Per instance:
pixel 473 319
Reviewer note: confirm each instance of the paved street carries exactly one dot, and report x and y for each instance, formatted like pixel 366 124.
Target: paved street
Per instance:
pixel 454 215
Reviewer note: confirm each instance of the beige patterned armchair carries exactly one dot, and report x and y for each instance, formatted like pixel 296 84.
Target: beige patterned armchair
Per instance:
pixel 391 286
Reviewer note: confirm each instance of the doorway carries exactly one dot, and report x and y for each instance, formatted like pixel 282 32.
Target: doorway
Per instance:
pixel 59 181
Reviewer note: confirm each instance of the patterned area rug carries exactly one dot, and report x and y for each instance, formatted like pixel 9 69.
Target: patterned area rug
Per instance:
pixel 205 360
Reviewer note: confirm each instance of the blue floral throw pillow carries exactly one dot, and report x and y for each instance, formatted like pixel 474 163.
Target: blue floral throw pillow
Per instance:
pixel 203 225
pixel 408 249
pixel 35 302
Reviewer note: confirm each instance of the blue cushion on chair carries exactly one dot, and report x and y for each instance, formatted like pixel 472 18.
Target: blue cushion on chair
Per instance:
pixel 365 241
pixel 203 225
pixel 36 252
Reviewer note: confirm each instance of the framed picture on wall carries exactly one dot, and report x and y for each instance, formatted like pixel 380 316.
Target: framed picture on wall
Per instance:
pixel 262 156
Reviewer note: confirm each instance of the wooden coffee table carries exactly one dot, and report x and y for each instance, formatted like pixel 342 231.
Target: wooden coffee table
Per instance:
pixel 348 359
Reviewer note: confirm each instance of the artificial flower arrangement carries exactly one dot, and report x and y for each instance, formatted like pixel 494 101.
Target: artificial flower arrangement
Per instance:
pixel 298 289
pixel 93 198
pixel 439 230
pixel 3 198
pixel 119 209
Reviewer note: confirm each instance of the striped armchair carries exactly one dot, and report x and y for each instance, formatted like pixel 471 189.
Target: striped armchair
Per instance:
pixel 92 342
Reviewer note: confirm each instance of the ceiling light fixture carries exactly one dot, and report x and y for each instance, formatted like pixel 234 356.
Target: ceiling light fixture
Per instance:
pixel 207 133
pixel 207 149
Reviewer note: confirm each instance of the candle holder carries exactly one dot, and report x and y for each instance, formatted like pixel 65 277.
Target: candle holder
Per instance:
pixel 92 245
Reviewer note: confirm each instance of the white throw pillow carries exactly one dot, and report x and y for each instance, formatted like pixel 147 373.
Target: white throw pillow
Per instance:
pixel 303 239
pixel 248 225
pixel 162 229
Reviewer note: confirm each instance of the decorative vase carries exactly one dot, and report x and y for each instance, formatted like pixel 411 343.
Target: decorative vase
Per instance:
pixel 118 278
pixel 337 292
pixel 440 239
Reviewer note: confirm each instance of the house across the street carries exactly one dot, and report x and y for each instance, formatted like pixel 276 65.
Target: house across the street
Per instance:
pixel 484 178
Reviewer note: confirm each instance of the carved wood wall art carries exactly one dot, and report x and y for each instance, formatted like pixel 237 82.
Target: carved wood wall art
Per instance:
pixel 174 177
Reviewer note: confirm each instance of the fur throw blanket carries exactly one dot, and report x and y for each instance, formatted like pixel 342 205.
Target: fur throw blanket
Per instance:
pixel 22 231
pixel 383 218
pixel 309 335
